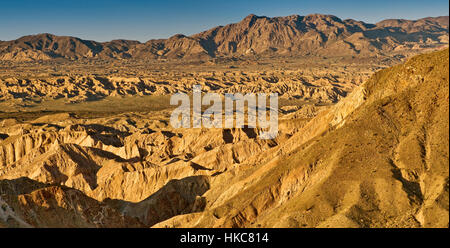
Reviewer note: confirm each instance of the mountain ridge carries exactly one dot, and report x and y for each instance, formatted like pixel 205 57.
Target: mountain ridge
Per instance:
pixel 315 34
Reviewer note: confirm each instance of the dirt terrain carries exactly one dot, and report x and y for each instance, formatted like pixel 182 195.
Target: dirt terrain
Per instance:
pixel 377 158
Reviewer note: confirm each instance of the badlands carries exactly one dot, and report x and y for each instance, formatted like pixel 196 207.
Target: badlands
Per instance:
pixel 86 141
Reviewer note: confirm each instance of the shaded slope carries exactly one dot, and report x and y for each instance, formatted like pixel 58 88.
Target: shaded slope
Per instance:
pixel 27 203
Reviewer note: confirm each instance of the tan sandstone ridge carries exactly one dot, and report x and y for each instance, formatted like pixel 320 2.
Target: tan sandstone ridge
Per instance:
pixel 377 158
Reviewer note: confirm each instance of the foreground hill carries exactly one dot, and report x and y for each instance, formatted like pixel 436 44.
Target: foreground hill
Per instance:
pixel 379 158
pixel 255 35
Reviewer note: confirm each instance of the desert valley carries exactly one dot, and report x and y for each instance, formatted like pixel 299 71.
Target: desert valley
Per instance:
pixel 363 136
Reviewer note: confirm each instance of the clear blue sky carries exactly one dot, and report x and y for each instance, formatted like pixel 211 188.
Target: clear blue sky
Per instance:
pixel 104 20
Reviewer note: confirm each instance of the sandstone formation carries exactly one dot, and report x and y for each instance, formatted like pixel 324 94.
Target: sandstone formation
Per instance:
pixel 375 157
pixel 27 203
pixel 379 158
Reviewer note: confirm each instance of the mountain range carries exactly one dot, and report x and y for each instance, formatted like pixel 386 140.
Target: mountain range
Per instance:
pixel 294 35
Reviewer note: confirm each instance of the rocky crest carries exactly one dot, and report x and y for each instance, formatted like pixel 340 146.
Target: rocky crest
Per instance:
pixel 255 35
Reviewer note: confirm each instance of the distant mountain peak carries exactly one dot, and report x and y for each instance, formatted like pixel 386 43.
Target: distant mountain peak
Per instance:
pixel 319 34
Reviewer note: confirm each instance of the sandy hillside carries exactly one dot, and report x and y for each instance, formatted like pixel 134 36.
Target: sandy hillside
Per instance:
pixel 353 150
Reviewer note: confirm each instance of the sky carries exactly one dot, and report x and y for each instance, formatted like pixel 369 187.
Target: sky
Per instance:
pixel 105 20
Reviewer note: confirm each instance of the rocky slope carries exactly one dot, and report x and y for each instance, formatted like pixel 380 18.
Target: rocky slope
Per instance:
pixel 27 203
pixel 314 34
pixel 150 172
pixel 378 158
